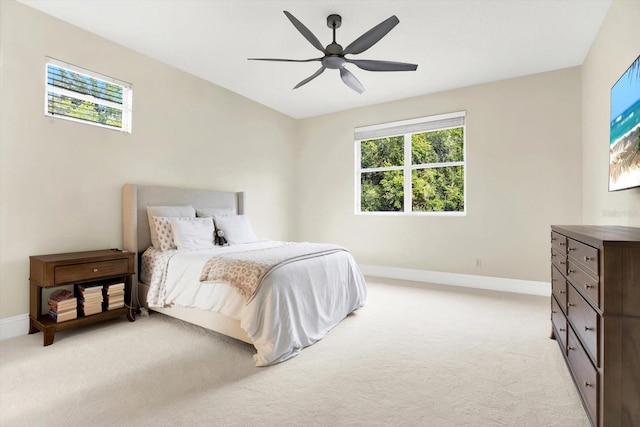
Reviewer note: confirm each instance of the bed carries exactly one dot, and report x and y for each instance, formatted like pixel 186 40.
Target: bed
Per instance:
pixel 293 306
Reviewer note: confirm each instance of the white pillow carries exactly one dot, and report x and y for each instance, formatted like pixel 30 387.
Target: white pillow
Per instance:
pixel 236 228
pixel 166 211
pixel 210 212
pixel 192 233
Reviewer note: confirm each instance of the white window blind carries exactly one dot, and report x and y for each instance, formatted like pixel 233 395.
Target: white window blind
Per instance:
pixel 424 124
pixel 80 95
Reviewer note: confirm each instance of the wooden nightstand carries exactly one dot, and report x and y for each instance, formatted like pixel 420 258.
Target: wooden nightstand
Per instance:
pixel 91 267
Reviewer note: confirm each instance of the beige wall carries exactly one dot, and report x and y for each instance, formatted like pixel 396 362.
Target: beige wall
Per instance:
pixel 535 157
pixel 614 49
pixel 60 182
pixel 523 174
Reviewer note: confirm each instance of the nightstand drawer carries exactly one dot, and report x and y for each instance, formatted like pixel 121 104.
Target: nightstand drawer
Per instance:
pixel 90 270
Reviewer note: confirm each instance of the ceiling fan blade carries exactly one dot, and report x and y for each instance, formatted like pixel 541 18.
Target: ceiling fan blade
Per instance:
pixel 350 80
pixel 305 32
pixel 372 36
pixel 371 65
pixel 285 60
pixel 308 79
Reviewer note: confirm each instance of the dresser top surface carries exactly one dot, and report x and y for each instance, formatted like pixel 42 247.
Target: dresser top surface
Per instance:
pixel 601 234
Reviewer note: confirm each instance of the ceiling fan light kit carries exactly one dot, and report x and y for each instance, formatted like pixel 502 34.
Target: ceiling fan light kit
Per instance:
pixel 334 55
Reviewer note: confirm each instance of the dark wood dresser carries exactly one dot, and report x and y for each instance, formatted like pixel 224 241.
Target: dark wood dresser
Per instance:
pixel 595 316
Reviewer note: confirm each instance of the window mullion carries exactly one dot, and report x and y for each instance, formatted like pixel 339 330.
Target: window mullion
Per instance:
pixel 407 173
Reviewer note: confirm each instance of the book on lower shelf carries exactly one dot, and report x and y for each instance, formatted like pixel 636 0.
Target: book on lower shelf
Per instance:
pixel 90 299
pixel 63 306
pixel 114 296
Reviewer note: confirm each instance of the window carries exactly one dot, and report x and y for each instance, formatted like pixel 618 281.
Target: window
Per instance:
pixel 412 167
pixel 73 93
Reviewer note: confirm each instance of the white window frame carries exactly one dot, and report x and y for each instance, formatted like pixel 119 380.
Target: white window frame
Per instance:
pixel 406 128
pixel 125 107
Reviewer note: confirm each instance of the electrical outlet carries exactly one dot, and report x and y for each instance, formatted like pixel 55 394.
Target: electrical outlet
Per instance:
pixel 479 262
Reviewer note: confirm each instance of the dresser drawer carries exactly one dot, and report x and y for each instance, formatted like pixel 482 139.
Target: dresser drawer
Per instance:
pixel 559 288
pixel 585 255
pixel 585 321
pixel 589 286
pixel 559 242
pixel 584 374
pixel 560 324
pixel 559 260
pixel 90 270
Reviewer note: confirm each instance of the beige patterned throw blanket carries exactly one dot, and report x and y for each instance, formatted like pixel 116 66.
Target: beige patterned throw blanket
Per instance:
pixel 246 270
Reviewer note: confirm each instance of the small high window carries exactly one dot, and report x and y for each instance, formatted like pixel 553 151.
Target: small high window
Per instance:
pixel 73 93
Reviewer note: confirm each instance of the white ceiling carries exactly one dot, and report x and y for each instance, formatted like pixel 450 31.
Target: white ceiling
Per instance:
pixel 455 43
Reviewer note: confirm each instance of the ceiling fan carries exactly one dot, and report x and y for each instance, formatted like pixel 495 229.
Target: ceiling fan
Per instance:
pixel 334 54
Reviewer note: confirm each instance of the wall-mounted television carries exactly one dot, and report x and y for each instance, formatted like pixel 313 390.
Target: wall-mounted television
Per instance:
pixel 624 135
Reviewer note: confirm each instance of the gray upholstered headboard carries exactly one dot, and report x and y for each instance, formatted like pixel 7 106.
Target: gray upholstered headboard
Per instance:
pixel 136 198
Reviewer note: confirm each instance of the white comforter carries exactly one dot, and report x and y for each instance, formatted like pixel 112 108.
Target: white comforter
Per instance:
pixel 296 305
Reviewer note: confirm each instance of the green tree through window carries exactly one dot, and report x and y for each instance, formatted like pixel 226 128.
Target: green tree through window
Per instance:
pixel 415 172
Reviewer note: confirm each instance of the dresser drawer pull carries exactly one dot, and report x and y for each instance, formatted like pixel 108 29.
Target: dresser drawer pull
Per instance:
pixel 563 244
pixel 563 292
pixel 571 304
pixel 95 270
pixel 562 329
pixel 562 263
pixel 571 271
pixel 572 249
pixel 588 328
pixel 588 286
pixel 586 258
pixel 571 348
pixel 588 384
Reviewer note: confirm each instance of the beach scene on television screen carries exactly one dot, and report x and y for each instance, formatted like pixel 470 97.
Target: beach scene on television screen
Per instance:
pixel 624 140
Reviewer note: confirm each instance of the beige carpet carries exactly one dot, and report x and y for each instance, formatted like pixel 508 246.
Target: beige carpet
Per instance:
pixel 414 355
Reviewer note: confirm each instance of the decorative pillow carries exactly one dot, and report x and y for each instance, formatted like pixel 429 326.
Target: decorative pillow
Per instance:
pixel 192 233
pixel 164 234
pixel 167 211
pixel 211 212
pixel 236 228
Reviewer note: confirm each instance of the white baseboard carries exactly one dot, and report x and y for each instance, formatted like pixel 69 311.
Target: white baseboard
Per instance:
pixel 464 280
pixel 14 326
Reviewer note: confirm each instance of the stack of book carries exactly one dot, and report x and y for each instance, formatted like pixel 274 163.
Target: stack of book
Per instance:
pixel 63 305
pixel 114 296
pixel 90 299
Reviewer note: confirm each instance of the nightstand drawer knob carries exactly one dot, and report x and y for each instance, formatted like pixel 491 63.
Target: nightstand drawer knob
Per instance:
pixel 95 270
